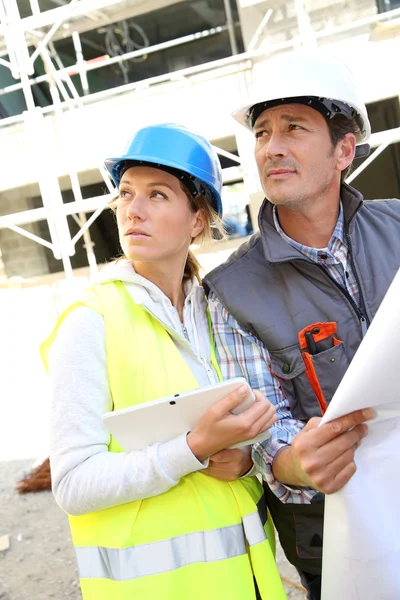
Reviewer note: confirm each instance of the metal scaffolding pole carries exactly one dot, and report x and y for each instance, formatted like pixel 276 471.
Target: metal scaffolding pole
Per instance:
pixel 305 29
pixel 37 139
pixel 231 26
pixel 40 140
pixel 40 136
pixel 263 23
pixel 122 57
pixel 81 62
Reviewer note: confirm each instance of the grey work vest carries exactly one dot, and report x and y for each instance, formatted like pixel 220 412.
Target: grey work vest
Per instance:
pixel 276 293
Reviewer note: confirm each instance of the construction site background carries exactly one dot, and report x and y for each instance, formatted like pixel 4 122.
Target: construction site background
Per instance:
pixel 196 62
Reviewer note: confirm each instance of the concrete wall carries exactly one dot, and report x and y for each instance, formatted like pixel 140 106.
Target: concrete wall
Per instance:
pixel 20 256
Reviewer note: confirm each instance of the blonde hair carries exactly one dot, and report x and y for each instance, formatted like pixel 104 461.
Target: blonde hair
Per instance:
pixel 212 222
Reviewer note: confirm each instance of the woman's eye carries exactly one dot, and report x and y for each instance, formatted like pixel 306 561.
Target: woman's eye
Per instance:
pixel 158 194
pixel 123 193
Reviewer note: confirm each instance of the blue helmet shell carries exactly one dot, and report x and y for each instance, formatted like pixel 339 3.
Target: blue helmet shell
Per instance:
pixel 185 154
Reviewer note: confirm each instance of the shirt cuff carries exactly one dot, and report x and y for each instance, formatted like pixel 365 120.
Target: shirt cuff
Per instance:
pixel 286 493
pixel 177 460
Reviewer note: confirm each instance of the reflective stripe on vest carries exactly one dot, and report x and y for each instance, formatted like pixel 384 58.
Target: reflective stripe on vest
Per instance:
pixel 122 564
pixel 254 529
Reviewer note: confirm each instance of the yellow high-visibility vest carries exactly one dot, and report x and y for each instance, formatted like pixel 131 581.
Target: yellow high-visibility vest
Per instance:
pixel 203 539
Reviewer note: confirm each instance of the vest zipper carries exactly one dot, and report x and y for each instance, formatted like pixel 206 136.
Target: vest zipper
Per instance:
pixel 364 326
pixel 361 314
pixel 173 334
pixel 363 319
pixel 210 372
pixel 171 331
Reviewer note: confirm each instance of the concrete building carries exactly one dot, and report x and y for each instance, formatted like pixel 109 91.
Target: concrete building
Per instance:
pixel 77 78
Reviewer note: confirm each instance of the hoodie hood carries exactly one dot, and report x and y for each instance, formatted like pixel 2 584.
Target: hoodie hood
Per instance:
pixel 145 292
pixel 194 330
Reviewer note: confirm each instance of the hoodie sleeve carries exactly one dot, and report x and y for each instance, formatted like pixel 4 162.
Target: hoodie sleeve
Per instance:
pixel 86 477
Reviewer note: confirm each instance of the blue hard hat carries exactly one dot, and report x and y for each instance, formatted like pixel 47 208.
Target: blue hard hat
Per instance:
pixel 173 148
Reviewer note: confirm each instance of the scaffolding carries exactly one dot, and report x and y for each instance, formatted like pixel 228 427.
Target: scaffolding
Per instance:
pixel 18 34
pixel 41 29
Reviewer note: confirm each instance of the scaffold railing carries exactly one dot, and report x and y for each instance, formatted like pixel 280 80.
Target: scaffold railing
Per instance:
pixel 65 98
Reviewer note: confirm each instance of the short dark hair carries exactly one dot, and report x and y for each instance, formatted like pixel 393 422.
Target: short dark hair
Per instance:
pixel 338 127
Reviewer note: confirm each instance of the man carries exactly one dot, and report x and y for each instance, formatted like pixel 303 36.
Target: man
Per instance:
pixel 291 306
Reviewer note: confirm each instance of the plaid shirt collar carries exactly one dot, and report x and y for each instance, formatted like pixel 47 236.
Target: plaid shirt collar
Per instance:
pixel 326 255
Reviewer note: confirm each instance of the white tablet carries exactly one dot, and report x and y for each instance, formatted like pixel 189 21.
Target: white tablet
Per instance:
pixel 167 418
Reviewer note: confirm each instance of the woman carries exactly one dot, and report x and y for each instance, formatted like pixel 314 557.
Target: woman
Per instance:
pixel 148 524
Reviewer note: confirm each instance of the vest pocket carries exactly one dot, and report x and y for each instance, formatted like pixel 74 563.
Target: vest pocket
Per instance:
pixel 330 366
pixel 288 366
pixel 325 359
pixel 300 528
pixel 309 535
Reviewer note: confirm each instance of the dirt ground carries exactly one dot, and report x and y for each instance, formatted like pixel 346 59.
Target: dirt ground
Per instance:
pixel 40 562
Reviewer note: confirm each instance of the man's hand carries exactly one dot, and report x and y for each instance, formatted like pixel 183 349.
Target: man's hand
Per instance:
pixel 323 457
pixel 228 465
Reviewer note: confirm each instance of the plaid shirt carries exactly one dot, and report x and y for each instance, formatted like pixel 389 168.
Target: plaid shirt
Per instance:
pixel 333 258
pixel 240 354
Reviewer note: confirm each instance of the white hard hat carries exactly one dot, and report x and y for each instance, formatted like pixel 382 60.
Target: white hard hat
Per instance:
pixel 320 81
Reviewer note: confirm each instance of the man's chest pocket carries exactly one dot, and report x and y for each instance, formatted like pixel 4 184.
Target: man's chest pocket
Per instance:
pixel 309 372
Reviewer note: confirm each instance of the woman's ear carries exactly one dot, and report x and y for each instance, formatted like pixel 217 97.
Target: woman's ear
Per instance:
pixel 199 223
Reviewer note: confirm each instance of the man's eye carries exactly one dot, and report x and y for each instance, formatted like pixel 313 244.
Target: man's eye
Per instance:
pixel 294 126
pixel 260 134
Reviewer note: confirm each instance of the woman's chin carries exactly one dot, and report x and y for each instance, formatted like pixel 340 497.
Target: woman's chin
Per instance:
pixel 140 256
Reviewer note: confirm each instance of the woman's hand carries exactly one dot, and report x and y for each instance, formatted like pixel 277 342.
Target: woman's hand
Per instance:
pixel 219 428
pixel 230 464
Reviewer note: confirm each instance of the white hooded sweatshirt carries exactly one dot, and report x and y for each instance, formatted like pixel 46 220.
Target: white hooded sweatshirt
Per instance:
pixel 85 476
